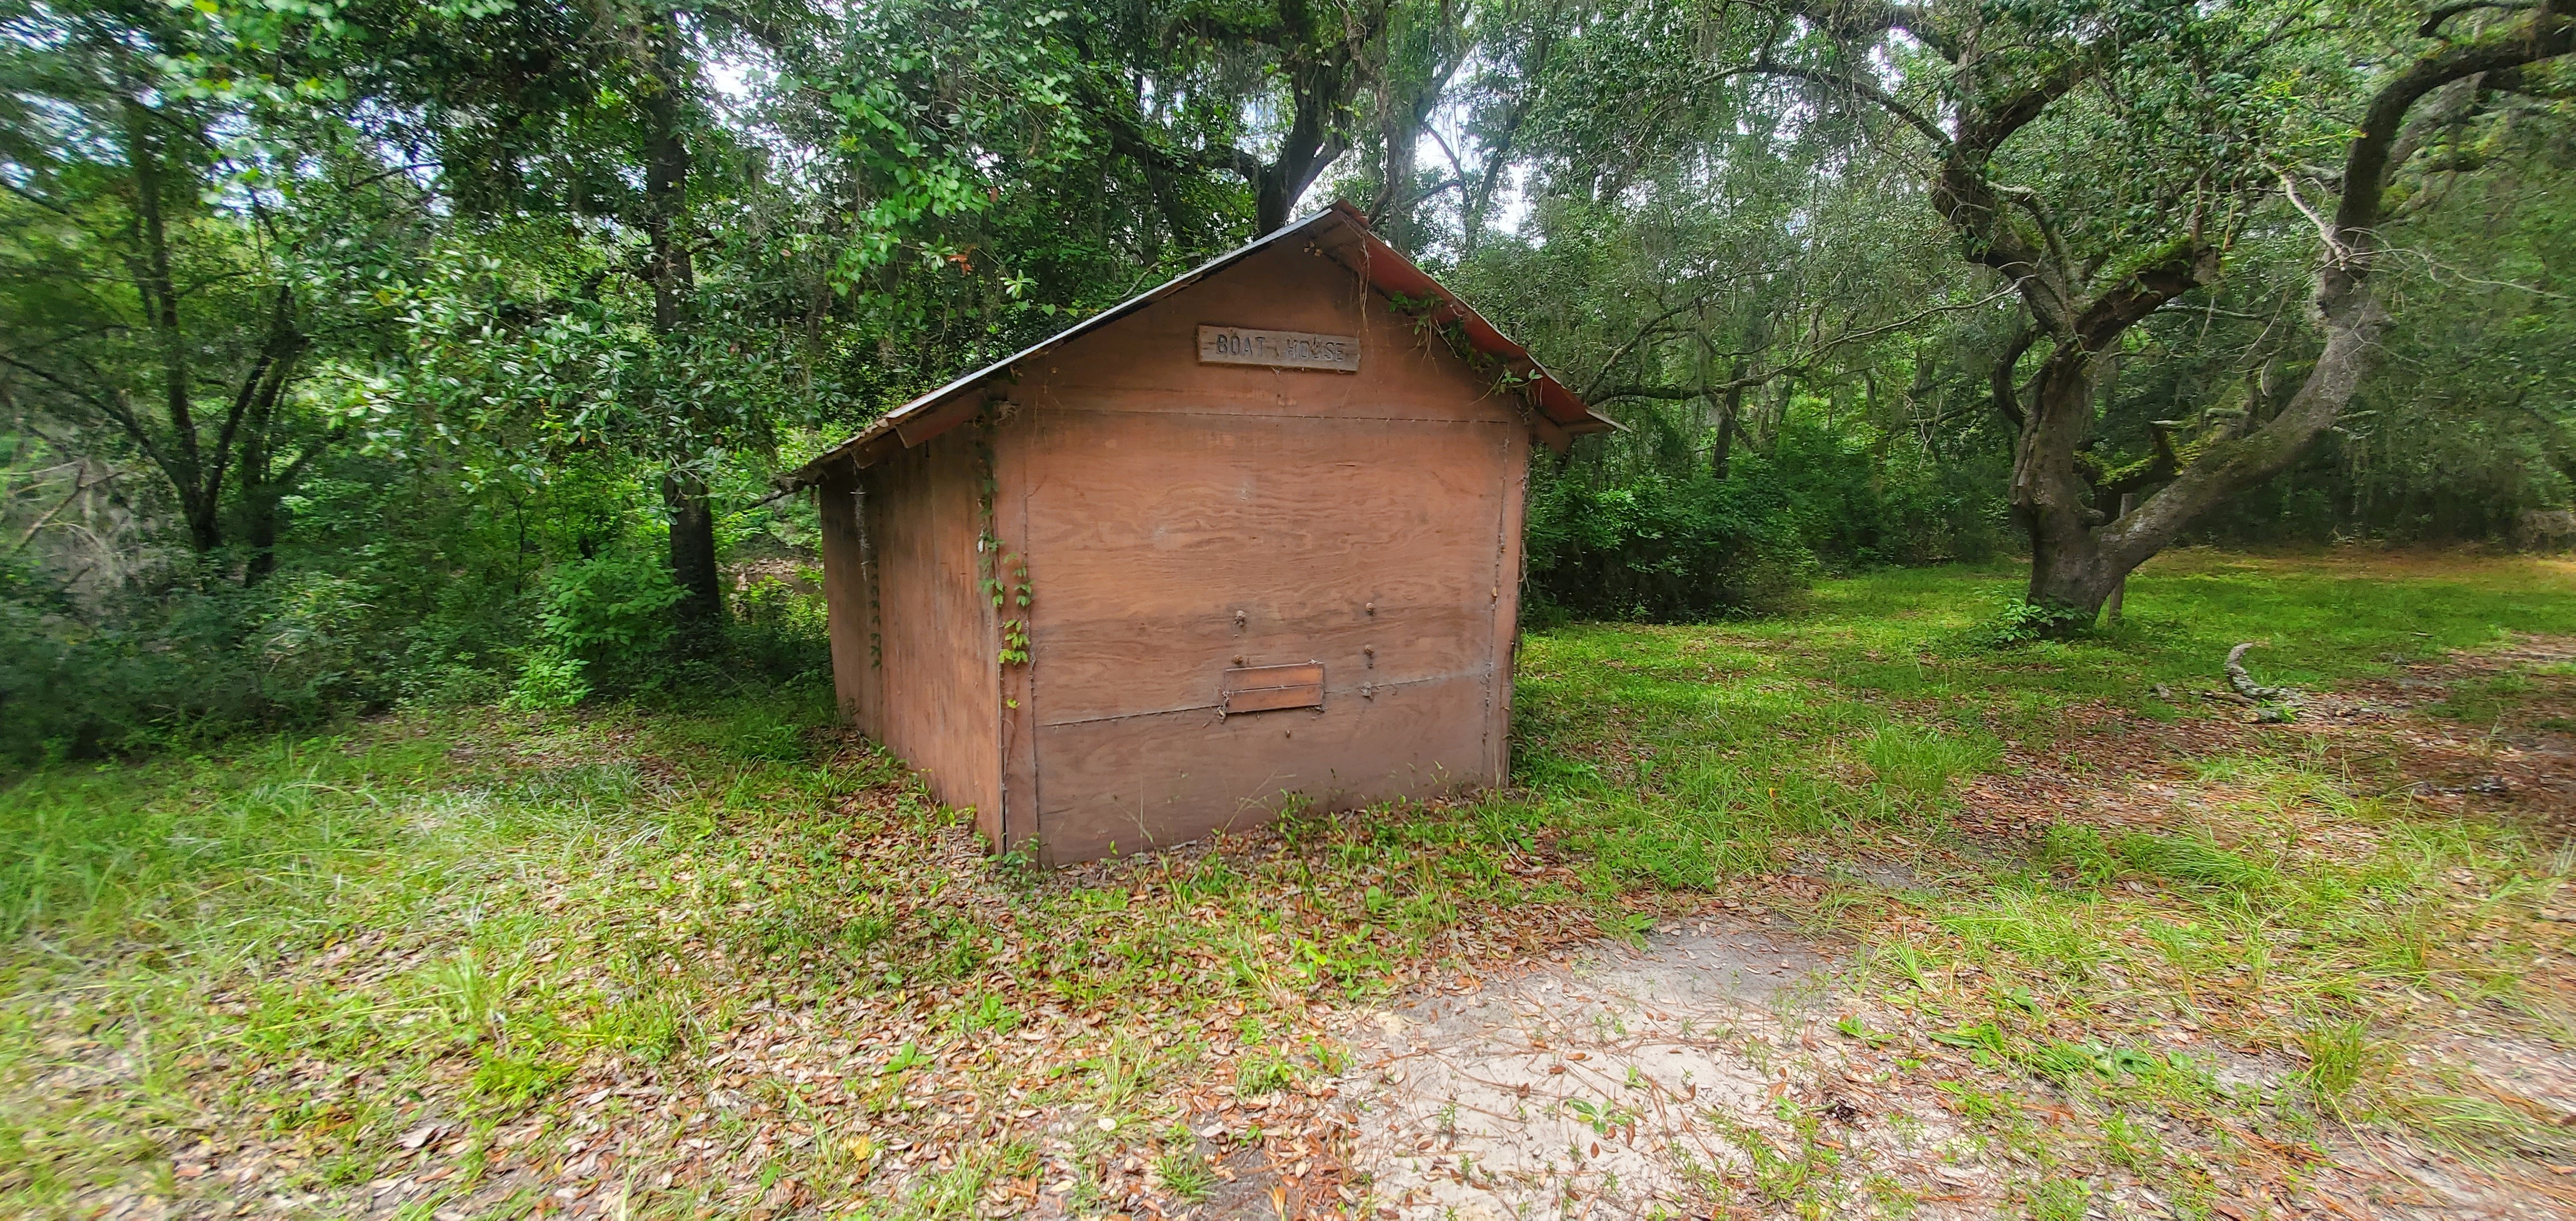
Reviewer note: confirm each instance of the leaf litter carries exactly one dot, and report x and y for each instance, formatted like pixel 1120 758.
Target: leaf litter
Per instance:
pixel 785 1013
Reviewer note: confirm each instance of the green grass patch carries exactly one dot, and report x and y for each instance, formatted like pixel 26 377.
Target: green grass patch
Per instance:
pixel 566 890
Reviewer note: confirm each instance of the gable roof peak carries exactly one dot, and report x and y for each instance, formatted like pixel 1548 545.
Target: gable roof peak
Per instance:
pixel 1340 232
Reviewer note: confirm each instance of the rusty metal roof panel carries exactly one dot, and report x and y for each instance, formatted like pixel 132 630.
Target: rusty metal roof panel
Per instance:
pixel 1390 272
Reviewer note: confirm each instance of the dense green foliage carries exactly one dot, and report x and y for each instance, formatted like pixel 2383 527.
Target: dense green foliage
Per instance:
pixel 1686 545
pixel 356 355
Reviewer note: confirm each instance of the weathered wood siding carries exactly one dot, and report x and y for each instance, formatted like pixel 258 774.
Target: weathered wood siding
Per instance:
pixel 1182 519
pixel 937 678
pixel 848 572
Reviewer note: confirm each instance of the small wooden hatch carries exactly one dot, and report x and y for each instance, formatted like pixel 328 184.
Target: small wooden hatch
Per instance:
pixel 1272 688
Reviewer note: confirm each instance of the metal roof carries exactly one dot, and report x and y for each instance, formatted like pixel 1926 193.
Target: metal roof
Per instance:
pixel 1565 414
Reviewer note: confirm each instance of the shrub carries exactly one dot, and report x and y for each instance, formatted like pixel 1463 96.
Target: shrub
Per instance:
pixel 194 653
pixel 780 630
pixel 2021 622
pixel 1663 549
pixel 611 614
pixel 1862 498
pixel 548 679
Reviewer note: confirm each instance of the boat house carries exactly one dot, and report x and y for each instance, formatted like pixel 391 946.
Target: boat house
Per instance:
pixel 1248 540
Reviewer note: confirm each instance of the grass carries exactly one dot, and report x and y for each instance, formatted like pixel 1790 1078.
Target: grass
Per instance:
pixel 296 956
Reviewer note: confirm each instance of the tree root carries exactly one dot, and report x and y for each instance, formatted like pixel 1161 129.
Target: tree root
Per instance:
pixel 2244 682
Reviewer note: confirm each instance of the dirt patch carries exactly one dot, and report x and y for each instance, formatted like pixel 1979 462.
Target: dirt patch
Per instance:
pixel 1696 1073
pixel 2496 730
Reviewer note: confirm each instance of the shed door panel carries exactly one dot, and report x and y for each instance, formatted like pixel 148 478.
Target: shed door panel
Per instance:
pixel 1146 781
pixel 1168 549
pixel 1170 545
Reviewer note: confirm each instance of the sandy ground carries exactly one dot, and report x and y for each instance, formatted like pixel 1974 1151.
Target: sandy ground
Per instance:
pixel 1637 1083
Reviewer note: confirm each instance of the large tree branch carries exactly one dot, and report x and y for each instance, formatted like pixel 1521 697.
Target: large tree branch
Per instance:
pixel 2547 33
pixel 103 406
pixel 2432 27
pixel 2344 305
pixel 1961 192
pixel 1498 148
pixel 1131 138
pixel 2029 201
pixel 1654 326
pixel 113 408
pixel 1963 195
pixel 1671 394
pixel 258 390
pixel 2003 387
pixel 2179 268
pixel 295 470
pixel 1852 19
pixel 1799 363
pixel 1984 126
pixel 1854 86
pixel 2441 108
pixel 80 484
pixel 161 296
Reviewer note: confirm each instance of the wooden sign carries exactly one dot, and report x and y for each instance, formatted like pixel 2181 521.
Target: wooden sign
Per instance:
pixel 1235 345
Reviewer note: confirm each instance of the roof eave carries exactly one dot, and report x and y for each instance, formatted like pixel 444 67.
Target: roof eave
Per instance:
pixel 1563 414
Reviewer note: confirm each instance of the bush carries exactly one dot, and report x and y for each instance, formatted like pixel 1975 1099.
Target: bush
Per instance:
pixel 548 679
pixel 1866 499
pixel 393 585
pixel 1663 549
pixel 80 681
pixel 780 630
pixel 611 616
pixel 2023 622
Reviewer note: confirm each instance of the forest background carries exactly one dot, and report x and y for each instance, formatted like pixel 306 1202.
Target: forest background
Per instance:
pixel 384 352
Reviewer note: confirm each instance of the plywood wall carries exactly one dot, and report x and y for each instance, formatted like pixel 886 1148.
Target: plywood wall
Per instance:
pixel 934 653
pixel 1182 519
pixel 849 577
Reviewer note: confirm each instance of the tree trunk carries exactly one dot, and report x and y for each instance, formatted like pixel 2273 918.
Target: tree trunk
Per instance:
pixel 2355 323
pixel 259 529
pixel 1721 452
pixel 2077 557
pixel 1271 202
pixel 1278 186
pixel 666 202
pixel 1407 94
pixel 1322 78
pixel 262 486
pixel 2120 588
pixel 200 494
pixel 1400 132
pixel 2051 501
pixel 693 551
pixel 2074 564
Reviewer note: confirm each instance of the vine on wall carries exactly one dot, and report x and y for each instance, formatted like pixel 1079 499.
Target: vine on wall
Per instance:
pixel 868 575
pixel 1005 574
pixel 1505 380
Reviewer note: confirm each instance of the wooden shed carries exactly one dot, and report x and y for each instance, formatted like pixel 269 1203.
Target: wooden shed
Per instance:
pixel 1250 538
